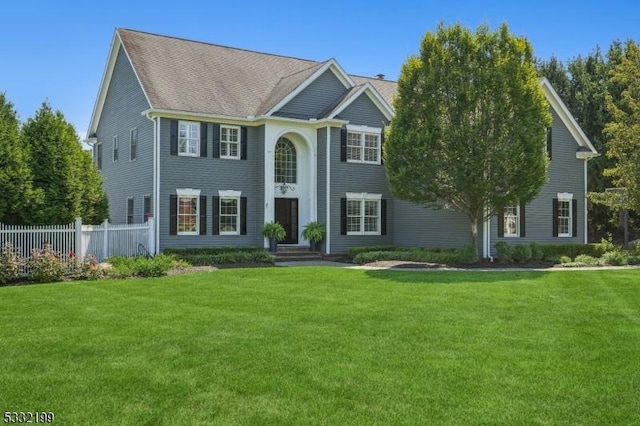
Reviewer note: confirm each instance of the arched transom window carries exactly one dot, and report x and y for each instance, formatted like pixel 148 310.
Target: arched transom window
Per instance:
pixel 285 159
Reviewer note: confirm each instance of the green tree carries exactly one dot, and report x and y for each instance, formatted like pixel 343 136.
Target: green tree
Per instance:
pixel 469 126
pixel 623 130
pixel 59 167
pixel 18 197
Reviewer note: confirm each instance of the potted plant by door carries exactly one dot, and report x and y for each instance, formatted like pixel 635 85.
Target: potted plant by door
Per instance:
pixel 314 233
pixel 274 232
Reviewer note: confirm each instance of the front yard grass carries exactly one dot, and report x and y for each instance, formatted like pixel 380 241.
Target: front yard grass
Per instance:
pixel 325 345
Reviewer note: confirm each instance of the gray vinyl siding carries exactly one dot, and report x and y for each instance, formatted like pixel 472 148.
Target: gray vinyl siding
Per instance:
pixel 211 175
pixel 355 177
pixel 315 98
pixel 364 112
pixel 123 104
pixel 418 226
pixel 566 174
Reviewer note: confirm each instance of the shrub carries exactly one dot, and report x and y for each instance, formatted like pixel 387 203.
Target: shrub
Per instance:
pixel 352 252
pixel 521 253
pixel 537 251
pixel 86 269
pixel 46 265
pixel 585 259
pixel 615 258
pixel 504 252
pixel 141 266
pixel 9 263
pixel 209 256
pixel 565 260
pixel 451 256
pixel 553 252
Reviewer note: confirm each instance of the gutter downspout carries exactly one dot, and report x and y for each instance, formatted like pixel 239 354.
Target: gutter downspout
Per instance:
pixel 328 193
pixel 156 180
pixel 586 217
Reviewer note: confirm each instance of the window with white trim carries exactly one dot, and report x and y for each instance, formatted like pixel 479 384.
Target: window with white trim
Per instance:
pixel 363 214
pixel 512 221
pixel 230 142
pixel 564 215
pixel 188 208
pixel 189 138
pixel 133 144
pixel 285 162
pixel 363 144
pixel 229 212
pixel 116 148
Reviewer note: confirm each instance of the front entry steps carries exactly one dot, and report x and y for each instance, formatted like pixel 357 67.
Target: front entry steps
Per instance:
pixel 296 254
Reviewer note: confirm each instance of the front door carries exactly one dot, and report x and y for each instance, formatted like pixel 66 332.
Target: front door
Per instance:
pixel 287 216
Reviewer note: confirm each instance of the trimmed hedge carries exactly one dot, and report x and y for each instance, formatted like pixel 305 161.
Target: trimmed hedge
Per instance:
pixel 210 256
pixel 448 256
pixel 352 252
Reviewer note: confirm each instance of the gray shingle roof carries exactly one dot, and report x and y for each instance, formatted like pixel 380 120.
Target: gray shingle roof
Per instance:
pixel 185 75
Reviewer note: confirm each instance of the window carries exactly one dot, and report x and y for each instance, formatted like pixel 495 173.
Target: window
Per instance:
pixel 146 207
pixel 286 162
pixel 133 144
pixel 229 215
pixel 363 214
pixel 229 142
pixel 564 218
pixel 363 144
pixel 116 143
pixel 188 138
pixel 188 208
pixel 512 221
pixel 549 142
pixel 129 210
pixel 564 215
pixel 99 156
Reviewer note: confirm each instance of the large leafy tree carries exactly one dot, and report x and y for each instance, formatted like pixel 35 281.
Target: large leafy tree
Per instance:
pixel 60 169
pixel 470 123
pixel 18 198
pixel 623 129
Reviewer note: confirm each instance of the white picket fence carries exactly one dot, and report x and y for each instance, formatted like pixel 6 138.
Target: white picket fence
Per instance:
pixel 81 240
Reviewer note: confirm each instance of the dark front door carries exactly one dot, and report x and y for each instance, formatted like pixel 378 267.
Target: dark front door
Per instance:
pixel 287 216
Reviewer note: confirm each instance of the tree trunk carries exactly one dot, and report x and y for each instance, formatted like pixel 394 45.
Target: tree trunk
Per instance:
pixel 474 235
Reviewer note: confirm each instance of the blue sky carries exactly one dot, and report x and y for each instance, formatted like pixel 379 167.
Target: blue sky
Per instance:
pixel 57 50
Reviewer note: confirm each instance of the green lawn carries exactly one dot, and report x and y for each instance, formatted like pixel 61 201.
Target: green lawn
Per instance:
pixel 324 345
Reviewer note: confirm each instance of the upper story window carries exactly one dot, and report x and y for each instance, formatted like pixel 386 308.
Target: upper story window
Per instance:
pixel 98 148
pixel 363 144
pixel 189 138
pixel 229 142
pixel 512 221
pixel 285 162
pixel 133 144
pixel 116 147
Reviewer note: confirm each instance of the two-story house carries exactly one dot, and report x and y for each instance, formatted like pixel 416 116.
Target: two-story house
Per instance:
pixel 215 141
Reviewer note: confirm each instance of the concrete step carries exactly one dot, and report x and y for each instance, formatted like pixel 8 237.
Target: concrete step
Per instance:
pixel 293 254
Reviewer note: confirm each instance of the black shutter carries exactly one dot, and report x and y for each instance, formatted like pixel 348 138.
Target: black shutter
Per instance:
pixel 343 144
pixel 383 217
pixel 203 139
pixel 203 215
pixel 574 218
pixel 501 222
pixel 216 215
pixel 243 215
pixel 243 143
pixel 173 141
pixel 555 217
pixel 523 220
pixel 216 140
pixel 382 147
pixel 343 216
pixel 173 214
pixel 549 141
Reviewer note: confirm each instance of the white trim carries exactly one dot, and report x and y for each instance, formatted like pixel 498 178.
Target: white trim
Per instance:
pixel 238 147
pixel 564 196
pixel 328 194
pixel 229 193
pixel 373 95
pixel 517 234
pixel 197 139
pixel 331 64
pixel 563 112
pixel 187 192
pixel 362 197
pixel 363 131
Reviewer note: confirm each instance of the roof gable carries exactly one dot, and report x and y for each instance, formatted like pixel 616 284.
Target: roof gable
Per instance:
pixel 363 89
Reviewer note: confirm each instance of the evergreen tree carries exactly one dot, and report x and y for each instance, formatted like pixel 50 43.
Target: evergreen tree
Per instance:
pixel 59 169
pixel 470 124
pixel 18 197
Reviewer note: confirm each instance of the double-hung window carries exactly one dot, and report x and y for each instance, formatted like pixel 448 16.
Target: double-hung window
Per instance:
pixel 229 142
pixel 130 215
pixel 564 215
pixel 98 148
pixel 133 144
pixel 363 144
pixel 188 208
pixel 116 148
pixel 189 138
pixel 363 214
pixel 229 212
pixel 512 221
